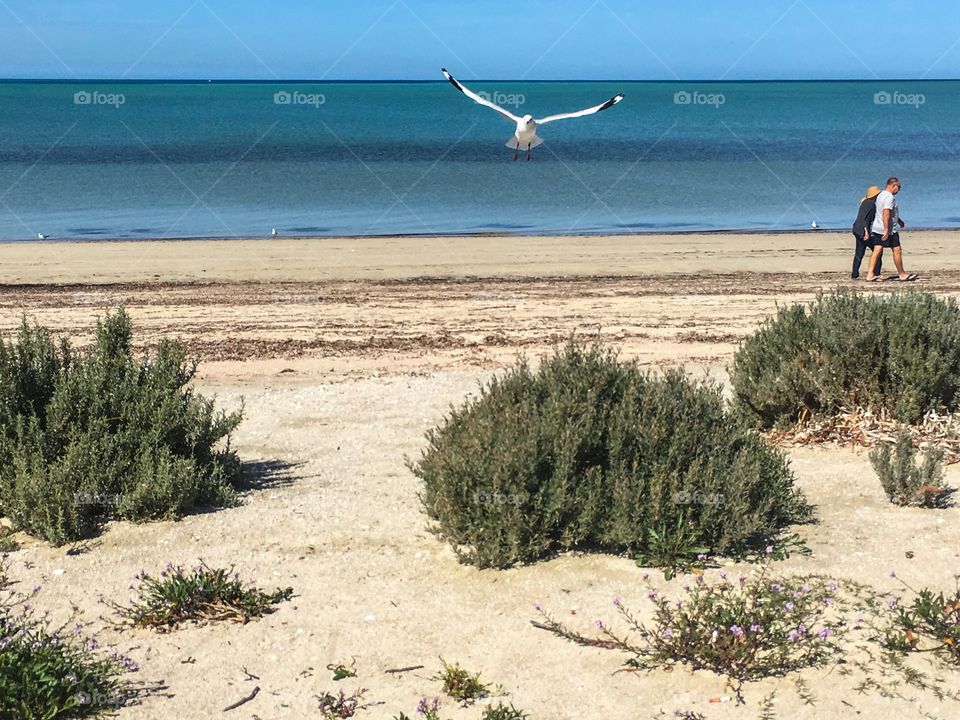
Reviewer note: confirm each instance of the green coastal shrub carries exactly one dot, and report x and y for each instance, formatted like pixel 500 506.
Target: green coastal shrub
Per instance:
pixel 905 482
pixel 101 435
pixel 898 353
pixel 587 452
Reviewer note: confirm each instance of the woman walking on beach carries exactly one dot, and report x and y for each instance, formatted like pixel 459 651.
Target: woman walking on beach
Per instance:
pixel 861 229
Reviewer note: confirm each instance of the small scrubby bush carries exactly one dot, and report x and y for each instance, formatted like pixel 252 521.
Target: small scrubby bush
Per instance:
pixel 746 630
pixel 929 623
pixel 898 353
pixel 201 594
pixel 905 482
pixel 341 705
pixel 503 712
pixel 101 435
pixel 589 452
pixel 461 684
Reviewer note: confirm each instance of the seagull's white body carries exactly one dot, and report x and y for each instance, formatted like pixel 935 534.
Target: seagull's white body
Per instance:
pixel 526 132
pixel 274 232
pixel 41 236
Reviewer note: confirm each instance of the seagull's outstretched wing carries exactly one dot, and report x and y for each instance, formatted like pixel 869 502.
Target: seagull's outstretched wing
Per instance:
pixel 477 98
pixel 589 111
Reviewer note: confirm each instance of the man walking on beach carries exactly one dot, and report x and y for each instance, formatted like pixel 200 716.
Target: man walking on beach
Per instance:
pixel 885 233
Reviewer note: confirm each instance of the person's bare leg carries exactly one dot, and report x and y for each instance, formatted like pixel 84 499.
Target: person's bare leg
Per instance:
pixel 874 259
pixel 898 261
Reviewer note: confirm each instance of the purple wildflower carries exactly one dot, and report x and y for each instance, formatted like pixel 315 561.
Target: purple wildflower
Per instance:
pixel 736 630
pixel 825 632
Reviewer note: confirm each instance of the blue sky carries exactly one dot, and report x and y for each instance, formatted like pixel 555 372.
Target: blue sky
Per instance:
pixel 491 39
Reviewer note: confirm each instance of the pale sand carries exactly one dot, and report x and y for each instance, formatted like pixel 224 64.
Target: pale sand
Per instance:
pixel 343 371
pixel 270 260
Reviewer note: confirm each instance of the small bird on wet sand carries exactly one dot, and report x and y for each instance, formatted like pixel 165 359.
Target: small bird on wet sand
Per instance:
pixel 41 236
pixel 274 232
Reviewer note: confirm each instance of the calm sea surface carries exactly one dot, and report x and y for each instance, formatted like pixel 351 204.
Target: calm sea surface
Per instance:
pixel 95 160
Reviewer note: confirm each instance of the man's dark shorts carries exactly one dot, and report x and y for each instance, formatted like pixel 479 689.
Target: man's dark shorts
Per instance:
pixel 891 242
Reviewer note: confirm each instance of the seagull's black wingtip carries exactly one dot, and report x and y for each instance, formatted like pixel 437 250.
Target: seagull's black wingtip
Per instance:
pixel 451 79
pixel 611 102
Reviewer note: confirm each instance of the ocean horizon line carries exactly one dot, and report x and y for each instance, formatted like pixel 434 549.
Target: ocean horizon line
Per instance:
pixel 254 81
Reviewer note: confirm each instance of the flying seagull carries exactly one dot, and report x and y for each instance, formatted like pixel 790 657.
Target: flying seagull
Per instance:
pixel 526 134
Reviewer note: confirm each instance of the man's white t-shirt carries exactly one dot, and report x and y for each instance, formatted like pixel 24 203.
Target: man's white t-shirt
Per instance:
pixel 886 201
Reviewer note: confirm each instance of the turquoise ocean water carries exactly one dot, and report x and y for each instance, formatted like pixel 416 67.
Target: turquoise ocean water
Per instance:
pixel 95 160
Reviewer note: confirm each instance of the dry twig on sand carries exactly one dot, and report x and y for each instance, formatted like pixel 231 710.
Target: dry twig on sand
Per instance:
pixel 243 700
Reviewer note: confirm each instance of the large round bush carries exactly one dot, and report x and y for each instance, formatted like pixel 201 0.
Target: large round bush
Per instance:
pixel 102 435
pixel 897 353
pixel 587 452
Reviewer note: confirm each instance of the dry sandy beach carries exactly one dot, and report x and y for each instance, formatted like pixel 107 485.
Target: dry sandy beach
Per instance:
pixel 344 352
